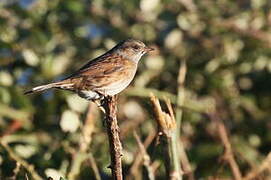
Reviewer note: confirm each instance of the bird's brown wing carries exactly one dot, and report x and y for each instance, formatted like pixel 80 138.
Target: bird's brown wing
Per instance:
pixel 101 73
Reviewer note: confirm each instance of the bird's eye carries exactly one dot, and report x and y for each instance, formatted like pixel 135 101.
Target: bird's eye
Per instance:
pixel 136 47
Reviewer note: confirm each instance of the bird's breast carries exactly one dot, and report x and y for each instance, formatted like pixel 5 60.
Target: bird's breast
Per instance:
pixel 120 82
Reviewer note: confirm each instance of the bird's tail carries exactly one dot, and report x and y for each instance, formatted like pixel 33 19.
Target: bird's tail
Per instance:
pixel 60 84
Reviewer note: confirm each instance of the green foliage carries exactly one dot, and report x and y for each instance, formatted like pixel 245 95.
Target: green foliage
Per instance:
pixel 226 45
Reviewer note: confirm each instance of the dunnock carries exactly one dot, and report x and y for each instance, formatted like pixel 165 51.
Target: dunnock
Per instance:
pixel 106 75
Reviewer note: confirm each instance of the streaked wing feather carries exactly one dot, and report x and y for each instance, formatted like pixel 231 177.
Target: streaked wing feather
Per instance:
pixel 102 73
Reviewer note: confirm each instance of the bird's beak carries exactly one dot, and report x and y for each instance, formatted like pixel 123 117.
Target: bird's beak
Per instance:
pixel 148 49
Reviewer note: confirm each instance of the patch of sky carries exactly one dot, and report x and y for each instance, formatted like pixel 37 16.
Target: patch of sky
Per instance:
pixel 91 31
pixel 23 3
pixel 48 94
pixel 24 78
pixel 5 52
pixel 26 3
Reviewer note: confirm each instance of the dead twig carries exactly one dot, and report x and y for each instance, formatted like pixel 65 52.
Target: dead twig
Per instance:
pixel 146 157
pixel 264 166
pixel 167 126
pixel 86 138
pixel 134 170
pixel 16 171
pixel 81 156
pixel 78 159
pixel 88 128
pixel 94 167
pixel 179 113
pixel 228 155
pixel 29 167
pixel 110 106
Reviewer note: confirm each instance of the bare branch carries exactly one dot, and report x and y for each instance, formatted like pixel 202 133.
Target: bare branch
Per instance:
pixel 134 170
pixel 29 167
pixel 228 155
pixel 146 157
pixel 110 107
pixel 264 166
pixel 94 167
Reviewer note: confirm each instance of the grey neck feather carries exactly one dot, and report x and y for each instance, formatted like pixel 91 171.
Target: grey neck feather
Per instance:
pixel 135 57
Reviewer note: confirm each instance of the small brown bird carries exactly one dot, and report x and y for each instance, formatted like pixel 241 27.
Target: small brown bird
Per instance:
pixel 106 75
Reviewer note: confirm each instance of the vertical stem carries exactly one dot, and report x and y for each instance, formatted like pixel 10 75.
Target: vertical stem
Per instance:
pixel 176 172
pixel 180 94
pixel 110 107
pixel 167 125
pixel 179 113
pixel 176 143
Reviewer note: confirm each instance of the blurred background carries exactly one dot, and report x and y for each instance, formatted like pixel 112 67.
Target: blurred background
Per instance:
pixel 224 46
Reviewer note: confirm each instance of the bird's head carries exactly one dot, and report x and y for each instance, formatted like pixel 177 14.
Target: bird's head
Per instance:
pixel 132 49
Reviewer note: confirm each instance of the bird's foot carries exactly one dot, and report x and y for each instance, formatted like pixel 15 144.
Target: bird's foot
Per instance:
pixel 99 103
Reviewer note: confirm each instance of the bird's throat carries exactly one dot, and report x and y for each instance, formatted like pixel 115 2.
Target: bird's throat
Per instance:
pixel 135 57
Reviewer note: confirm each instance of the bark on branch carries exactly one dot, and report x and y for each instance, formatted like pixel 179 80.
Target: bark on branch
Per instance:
pixel 110 106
